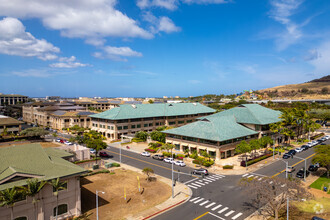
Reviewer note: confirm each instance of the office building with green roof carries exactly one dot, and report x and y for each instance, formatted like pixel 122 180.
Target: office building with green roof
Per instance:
pixel 220 133
pixel 30 161
pixel 129 119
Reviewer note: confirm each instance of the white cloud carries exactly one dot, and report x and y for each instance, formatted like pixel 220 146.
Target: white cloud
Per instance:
pixel 41 72
pixel 68 62
pixel 161 24
pixel 167 4
pixel 312 55
pixel 281 12
pixel 321 62
pixel 90 20
pixel 117 53
pixel 14 40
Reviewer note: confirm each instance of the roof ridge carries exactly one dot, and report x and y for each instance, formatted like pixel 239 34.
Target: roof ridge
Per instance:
pixel 252 113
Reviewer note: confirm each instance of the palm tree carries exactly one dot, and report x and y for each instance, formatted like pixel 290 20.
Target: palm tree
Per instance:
pixel 32 190
pixel 57 186
pixel 9 197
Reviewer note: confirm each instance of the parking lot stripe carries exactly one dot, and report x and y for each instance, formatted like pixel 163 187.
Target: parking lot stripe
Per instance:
pixel 222 210
pixel 218 206
pixel 191 200
pixel 229 213
pixel 197 201
pixel 209 205
pixel 203 203
pixel 236 216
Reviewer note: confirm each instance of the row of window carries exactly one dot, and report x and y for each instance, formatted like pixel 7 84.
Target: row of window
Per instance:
pixel 151 118
pixel 126 126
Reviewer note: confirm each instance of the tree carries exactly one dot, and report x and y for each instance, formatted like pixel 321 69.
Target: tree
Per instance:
pixel 243 148
pixel 141 135
pixel 158 136
pixel 151 101
pixel 97 145
pixel 148 171
pixel 168 147
pixel 322 157
pixel 32 190
pixel 34 132
pixel 265 141
pixel 9 197
pixel 271 194
pixel 255 145
pixel 325 90
pixel 276 127
pixel 205 154
pixel 57 186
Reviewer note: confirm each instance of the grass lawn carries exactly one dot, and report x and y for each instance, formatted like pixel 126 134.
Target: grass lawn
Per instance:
pixel 312 206
pixel 321 181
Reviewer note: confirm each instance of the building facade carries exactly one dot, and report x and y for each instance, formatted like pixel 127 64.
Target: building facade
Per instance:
pixel 56 115
pixel 220 133
pixel 12 99
pixel 31 161
pixel 9 125
pixel 129 119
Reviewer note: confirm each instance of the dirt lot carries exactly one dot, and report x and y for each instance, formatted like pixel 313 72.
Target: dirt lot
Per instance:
pixel 112 204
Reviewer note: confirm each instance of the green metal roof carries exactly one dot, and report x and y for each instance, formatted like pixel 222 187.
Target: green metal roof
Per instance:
pixel 251 114
pixel 219 128
pixel 57 152
pixel 153 110
pixel 33 160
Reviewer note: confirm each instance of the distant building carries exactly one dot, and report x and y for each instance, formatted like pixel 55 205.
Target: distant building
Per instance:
pixel 129 119
pixel 30 161
pixel 12 99
pixel 174 101
pixel 220 133
pixel 10 125
pixel 56 115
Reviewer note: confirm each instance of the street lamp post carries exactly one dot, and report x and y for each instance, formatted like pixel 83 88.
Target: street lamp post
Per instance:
pixel 172 176
pixel 286 168
pixel 287 208
pixel 97 204
pixel 305 166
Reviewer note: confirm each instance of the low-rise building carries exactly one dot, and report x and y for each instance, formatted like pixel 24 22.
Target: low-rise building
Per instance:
pixel 220 133
pixel 9 125
pixel 12 99
pixel 56 115
pixel 23 162
pixel 129 119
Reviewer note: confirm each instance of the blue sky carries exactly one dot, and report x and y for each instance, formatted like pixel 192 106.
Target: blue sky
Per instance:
pixel 152 48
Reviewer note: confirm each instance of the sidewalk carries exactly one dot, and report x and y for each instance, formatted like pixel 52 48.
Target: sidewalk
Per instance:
pixel 182 193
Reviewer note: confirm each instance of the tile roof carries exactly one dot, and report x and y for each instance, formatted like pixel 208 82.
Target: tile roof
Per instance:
pixel 32 159
pixel 153 110
pixel 219 128
pixel 4 120
pixel 251 114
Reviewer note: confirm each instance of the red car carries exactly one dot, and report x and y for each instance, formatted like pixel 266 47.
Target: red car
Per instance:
pixel 104 154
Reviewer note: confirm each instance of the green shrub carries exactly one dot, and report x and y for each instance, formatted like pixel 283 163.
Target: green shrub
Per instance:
pixel 167 154
pixel 83 161
pixel 115 164
pixel 181 155
pixel 90 173
pixel 258 159
pixel 137 140
pixel 208 163
pixel 228 167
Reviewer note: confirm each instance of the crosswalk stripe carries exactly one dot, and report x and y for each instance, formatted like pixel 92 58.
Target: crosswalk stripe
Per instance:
pixel 218 206
pixel 236 216
pixel 222 210
pixel 191 200
pixel 250 176
pixel 195 184
pixel 212 178
pixel 197 201
pixel 203 203
pixel 229 213
pixel 245 175
pixel 260 179
pixel 208 181
pixel 270 182
pixel 192 186
pixel 198 183
pixel 209 205
pixel 220 175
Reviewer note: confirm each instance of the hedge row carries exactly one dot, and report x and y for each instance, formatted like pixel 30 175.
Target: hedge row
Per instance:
pixel 83 161
pixel 90 173
pixel 150 150
pixel 202 161
pixel 255 160
pixel 317 136
pixel 228 167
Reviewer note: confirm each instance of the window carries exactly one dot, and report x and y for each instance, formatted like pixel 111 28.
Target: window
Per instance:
pixel 258 128
pixel 145 125
pixel 125 127
pixel 172 123
pixel 138 126
pixel 150 124
pixel 62 209
pixel 65 185
pixel 188 121
pixel 181 122
pixel 120 128
pixel 66 120
pixel 108 127
pixel 21 218
pixel 132 126
pixel 157 123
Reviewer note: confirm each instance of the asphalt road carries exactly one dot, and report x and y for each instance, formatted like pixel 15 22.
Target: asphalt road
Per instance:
pixel 215 196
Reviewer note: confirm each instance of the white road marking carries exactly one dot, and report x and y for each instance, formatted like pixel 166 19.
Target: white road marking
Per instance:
pixel 195 184
pixel 236 216
pixel 192 187
pixel 191 200
pixel 250 176
pixel 203 203
pixel 197 201
pixel 218 206
pixel 198 183
pixel 209 205
pixel 201 182
pixel 245 175
pixel 270 182
pixel 216 216
pixel 190 181
pixel 205 180
pixel 260 179
pixel 229 213
pixel 222 210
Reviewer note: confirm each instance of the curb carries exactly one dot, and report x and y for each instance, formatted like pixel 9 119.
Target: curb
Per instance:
pixel 166 209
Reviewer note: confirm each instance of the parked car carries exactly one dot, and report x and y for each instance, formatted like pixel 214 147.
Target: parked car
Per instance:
pixel 304 147
pixel 58 140
pixel 179 163
pixel 312 168
pixel 200 171
pixel 290 169
pixel 292 152
pixel 92 151
pixel 104 154
pixel 323 139
pixel 309 144
pixel 327 137
pixel 317 218
pixel 300 173
pixel 68 143
pixel 299 149
pixel 169 160
pixel 146 154
pixel 289 154
pixel 158 157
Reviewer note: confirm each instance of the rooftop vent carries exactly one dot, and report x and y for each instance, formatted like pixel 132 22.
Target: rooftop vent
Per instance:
pixel 194 104
pixel 170 105
pixel 133 106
